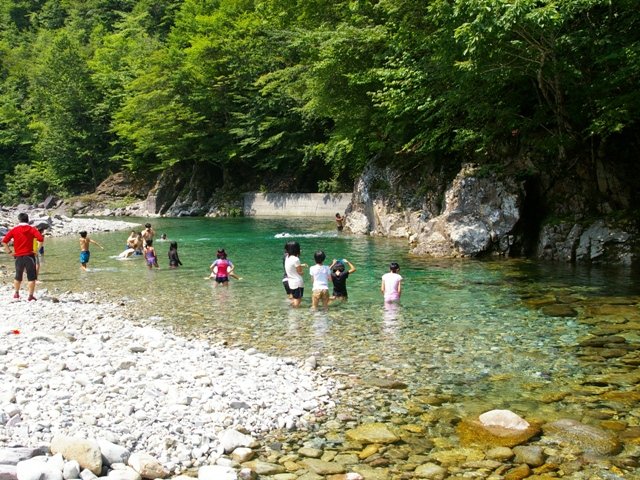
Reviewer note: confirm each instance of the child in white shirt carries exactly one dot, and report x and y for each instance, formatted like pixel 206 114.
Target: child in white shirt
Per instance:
pixel 321 276
pixel 391 286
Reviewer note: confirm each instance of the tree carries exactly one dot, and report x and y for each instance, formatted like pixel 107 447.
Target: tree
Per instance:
pixel 62 99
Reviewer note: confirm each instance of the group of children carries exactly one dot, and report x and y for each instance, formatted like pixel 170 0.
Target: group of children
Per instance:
pixel 222 269
pixel 337 273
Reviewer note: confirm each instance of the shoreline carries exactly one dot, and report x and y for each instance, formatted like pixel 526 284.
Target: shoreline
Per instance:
pixel 411 433
pixel 59 225
pixel 79 367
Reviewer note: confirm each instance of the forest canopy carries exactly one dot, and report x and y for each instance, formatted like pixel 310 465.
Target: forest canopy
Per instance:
pixel 309 90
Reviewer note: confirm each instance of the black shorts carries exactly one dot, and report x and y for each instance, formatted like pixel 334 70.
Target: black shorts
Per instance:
pixel 285 284
pixel 26 263
pixel 222 279
pixel 297 292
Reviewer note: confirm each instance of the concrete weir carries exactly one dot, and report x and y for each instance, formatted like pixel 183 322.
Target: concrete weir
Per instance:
pixel 295 204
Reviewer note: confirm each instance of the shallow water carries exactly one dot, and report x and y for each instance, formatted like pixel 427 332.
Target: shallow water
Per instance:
pixel 473 331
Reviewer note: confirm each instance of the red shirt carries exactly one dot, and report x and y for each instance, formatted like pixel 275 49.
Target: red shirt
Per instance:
pixel 23 235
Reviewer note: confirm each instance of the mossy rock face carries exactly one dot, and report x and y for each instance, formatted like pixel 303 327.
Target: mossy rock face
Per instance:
pixel 473 432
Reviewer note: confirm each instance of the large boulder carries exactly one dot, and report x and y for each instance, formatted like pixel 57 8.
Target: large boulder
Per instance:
pixel 86 452
pixel 497 428
pixel 479 216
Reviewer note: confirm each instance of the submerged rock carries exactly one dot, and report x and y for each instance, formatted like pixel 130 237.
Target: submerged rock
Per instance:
pixel 589 438
pixel 372 433
pixel 496 429
pixel 503 418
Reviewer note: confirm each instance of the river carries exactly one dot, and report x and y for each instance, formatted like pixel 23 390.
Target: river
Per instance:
pixel 480 335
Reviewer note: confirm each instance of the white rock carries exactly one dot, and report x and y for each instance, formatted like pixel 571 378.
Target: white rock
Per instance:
pixel 112 453
pixel 70 470
pixel 503 418
pixel 37 468
pixel 216 472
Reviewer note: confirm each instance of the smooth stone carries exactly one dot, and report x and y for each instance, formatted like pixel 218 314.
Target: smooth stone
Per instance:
pixel 370 473
pixel 372 433
pixel 587 437
pixel 457 456
pixel 530 454
pixel 147 466
pixel 346 458
pixel 216 472
pixel 386 383
pixel 11 456
pixel 500 453
pixel 518 473
pixel 232 439
pixel 368 451
pixel 242 454
pixel 126 473
pixel 310 452
pixel 431 471
pixel 503 418
pixel 472 432
pixel 323 468
pixel 89 475
pixel 112 453
pixel 71 470
pixel 264 468
pixel 85 452
pixel 559 310
pixel 37 468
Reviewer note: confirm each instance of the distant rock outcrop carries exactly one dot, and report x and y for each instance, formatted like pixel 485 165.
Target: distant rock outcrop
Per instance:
pixel 478 214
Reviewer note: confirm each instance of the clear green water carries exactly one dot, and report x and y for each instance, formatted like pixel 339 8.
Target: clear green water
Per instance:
pixel 468 329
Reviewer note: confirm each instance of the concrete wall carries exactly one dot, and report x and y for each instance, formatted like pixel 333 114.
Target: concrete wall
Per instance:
pixel 295 204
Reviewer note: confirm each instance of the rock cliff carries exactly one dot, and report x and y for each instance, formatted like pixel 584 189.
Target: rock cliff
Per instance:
pixel 483 214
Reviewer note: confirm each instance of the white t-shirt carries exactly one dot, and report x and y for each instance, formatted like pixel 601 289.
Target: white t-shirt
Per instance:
pixel 291 265
pixel 321 276
pixel 391 281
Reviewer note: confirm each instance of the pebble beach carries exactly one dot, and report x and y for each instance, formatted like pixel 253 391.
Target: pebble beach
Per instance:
pixel 73 365
pixel 89 389
pixel 76 367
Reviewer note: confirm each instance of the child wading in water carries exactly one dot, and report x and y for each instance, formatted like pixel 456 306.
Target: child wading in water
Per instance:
pixel 391 286
pixel 339 275
pixel 150 255
pixel 174 260
pixel 321 275
pixel 293 267
pixel 85 254
pixel 222 268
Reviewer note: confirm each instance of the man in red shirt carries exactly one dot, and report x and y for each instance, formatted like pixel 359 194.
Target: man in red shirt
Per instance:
pixel 22 236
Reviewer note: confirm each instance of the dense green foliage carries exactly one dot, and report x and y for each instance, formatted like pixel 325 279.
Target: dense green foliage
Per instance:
pixel 310 91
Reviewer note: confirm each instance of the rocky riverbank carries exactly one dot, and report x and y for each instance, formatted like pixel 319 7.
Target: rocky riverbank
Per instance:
pixel 73 366
pixel 58 224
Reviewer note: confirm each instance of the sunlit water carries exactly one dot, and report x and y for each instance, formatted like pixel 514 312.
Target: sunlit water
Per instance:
pixel 465 328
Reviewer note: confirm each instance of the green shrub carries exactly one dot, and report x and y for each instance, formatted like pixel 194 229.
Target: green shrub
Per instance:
pixel 31 183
